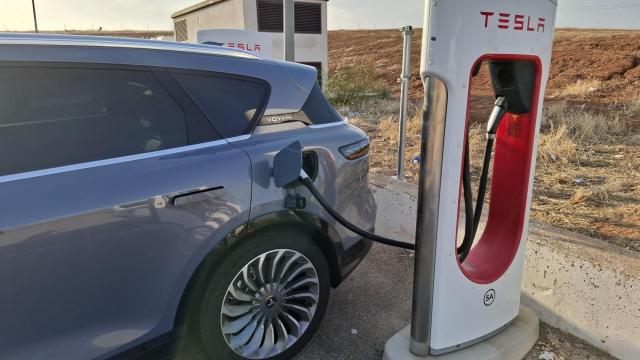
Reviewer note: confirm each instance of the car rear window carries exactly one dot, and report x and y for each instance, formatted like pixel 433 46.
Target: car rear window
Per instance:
pixel 233 105
pixel 317 110
pixel 51 117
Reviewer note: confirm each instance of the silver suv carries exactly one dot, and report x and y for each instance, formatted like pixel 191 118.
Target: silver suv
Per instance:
pixel 138 199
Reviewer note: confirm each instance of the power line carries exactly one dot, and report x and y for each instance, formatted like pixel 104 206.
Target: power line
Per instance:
pixel 582 4
pixel 615 7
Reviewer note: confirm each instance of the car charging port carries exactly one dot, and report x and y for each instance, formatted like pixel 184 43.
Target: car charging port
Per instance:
pixel 287 171
pixel 310 164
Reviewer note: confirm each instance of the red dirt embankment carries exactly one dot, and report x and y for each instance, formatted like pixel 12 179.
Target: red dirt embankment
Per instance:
pixel 607 58
pixel 603 55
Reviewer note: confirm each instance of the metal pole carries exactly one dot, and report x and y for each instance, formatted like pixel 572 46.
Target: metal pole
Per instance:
pixel 289 30
pixel 404 97
pixel 432 150
pixel 35 17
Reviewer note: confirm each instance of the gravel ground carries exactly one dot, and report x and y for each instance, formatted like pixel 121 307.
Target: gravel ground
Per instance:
pixel 371 306
pixel 375 302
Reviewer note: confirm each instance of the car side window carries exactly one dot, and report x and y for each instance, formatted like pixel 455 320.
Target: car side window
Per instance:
pixel 233 105
pixel 56 116
pixel 317 110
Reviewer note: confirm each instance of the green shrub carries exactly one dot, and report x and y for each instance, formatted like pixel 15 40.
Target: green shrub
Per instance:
pixel 353 83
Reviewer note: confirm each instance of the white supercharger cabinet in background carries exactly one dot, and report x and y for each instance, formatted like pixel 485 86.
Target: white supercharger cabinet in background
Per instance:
pixel 458 304
pixel 256 42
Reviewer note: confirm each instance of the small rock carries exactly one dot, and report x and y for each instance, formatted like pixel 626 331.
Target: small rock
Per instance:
pixel 547 356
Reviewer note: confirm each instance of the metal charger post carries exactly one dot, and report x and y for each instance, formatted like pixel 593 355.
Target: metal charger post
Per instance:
pixel 431 153
pixel 435 105
pixel 404 97
pixel 466 299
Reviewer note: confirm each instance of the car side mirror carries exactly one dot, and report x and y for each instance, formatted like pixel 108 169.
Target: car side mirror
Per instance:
pixel 287 165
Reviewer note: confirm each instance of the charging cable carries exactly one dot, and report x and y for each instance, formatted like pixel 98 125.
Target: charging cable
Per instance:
pixel 472 217
pixel 308 183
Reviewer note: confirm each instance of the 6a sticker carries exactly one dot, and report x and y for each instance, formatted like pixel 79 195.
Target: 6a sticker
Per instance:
pixel 489 297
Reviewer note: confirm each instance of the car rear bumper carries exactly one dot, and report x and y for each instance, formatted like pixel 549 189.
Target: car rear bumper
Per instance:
pixel 353 256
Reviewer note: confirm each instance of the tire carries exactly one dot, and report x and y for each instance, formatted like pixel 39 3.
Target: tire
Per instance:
pixel 241 306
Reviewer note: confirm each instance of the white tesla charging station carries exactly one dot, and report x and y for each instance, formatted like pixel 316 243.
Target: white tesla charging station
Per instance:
pixel 463 301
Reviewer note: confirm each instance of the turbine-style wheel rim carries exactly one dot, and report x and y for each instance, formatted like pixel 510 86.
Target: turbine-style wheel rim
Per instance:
pixel 270 304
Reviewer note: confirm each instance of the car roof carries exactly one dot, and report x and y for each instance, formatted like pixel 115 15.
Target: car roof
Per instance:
pixel 291 83
pixel 117 42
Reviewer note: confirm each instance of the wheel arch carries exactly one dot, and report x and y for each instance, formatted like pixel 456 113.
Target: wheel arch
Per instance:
pixel 318 230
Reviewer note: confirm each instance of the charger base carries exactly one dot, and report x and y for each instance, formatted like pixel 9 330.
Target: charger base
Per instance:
pixel 513 343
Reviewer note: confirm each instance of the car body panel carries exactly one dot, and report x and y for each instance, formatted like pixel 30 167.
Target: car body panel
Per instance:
pixel 99 257
pixel 344 183
pixel 95 258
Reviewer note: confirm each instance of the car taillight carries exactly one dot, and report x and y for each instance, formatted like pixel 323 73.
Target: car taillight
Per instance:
pixel 355 150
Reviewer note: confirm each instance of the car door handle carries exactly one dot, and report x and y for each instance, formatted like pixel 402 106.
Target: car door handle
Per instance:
pixel 198 195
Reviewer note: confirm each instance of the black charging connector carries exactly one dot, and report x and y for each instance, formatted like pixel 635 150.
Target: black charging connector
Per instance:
pixel 472 217
pixel 513 83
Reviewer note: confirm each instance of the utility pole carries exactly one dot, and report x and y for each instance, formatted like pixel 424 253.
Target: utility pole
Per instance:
pixel 35 17
pixel 289 30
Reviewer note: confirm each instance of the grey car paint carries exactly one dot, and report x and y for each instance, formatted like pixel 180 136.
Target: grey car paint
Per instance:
pixel 87 256
pixel 95 257
pixel 343 182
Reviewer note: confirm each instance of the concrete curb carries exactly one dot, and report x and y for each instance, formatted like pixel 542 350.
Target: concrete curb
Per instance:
pixel 581 285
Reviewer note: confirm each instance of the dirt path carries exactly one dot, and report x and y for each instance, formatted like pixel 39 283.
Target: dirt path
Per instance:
pixel 557 345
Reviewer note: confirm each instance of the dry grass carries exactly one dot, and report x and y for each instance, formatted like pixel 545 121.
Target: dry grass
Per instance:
pixel 588 175
pixel 580 88
pixel 556 146
pixel 585 126
pixel 384 137
pixel 563 128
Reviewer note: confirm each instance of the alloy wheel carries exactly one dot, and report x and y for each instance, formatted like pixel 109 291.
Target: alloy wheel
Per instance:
pixel 270 304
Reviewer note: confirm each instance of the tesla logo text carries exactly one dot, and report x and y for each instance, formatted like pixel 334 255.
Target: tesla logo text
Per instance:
pixel 516 22
pixel 241 46
pixel 247 47
pixel 489 297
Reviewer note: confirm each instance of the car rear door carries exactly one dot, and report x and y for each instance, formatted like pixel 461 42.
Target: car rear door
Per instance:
pixel 113 187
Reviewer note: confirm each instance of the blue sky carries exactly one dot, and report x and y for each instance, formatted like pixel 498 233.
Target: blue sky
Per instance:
pixel 343 14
